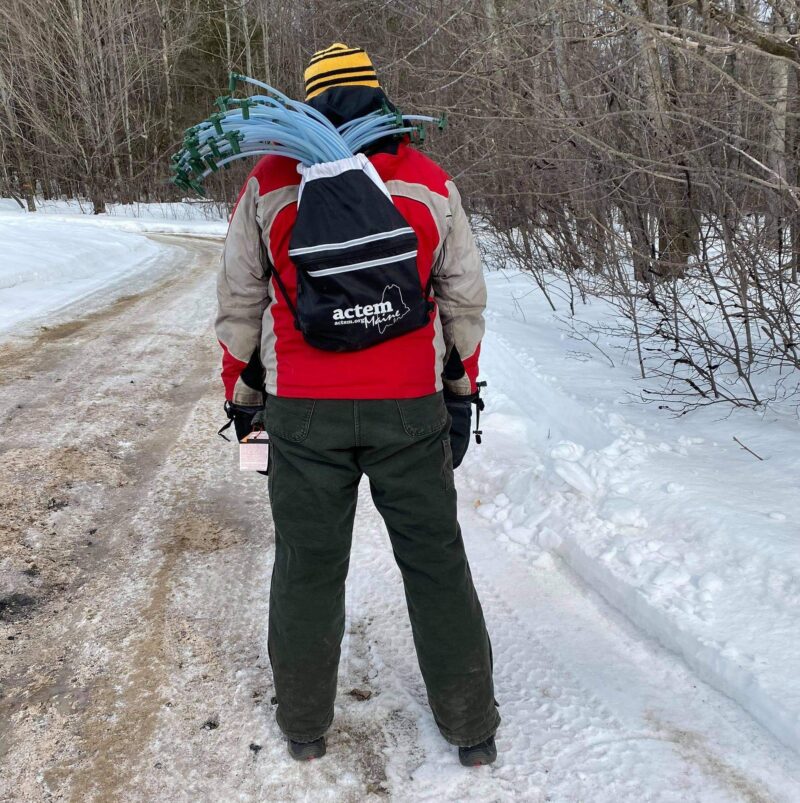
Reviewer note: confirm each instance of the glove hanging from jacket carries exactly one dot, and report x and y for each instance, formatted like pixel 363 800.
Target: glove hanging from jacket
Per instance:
pixel 459 406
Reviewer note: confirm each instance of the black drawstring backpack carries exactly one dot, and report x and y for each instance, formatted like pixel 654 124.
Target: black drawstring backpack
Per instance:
pixel 356 259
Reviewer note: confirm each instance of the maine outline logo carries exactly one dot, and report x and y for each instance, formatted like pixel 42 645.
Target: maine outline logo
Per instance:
pixel 387 312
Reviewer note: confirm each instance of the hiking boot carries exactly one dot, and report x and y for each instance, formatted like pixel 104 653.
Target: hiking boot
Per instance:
pixel 478 754
pixel 305 751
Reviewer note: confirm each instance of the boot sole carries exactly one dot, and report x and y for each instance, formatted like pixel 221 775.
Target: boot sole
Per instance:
pixel 480 760
pixel 307 752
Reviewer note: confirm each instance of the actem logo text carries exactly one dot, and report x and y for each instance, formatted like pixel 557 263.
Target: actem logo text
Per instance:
pixel 359 311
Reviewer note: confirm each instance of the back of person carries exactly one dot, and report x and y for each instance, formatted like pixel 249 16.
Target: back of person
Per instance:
pixel 406 367
pixel 335 416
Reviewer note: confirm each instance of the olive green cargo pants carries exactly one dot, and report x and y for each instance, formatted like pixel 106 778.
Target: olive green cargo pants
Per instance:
pixel 320 449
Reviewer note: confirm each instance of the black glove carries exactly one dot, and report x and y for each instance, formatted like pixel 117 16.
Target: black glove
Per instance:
pixel 459 405
pixel 460 409
pixel 244 419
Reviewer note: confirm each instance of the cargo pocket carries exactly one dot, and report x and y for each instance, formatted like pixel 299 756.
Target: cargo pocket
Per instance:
pixel 423 415
pixel 289 419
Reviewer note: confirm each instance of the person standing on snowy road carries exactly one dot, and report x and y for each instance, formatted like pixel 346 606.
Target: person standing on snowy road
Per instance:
pixel 333 416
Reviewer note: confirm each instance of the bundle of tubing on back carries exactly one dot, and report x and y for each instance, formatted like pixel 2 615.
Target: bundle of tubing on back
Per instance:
pixel 273 124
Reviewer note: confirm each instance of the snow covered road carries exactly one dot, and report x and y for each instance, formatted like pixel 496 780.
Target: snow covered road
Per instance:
pixel 133 600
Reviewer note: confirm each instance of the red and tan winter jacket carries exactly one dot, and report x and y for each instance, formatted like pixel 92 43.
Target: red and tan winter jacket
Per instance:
pixel 253 314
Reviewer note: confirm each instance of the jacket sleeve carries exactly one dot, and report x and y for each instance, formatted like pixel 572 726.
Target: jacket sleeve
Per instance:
pixel 242 296
pixel 460 292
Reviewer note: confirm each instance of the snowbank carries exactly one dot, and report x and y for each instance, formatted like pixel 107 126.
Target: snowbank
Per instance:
pixel 691 536
pixel 60 255
pixel 199 219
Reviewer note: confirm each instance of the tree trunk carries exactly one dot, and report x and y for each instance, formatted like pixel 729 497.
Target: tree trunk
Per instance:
pixel 23 174
pixel 776 144
pixel 163 18
pixel 228 52
pixel 266 40
pixel 248 51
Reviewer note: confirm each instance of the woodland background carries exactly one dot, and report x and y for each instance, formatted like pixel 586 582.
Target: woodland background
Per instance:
pixel 642 150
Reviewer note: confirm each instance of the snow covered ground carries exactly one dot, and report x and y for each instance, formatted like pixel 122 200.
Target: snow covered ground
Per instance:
pixel 670 519
pixel 135 563
pixel 61 255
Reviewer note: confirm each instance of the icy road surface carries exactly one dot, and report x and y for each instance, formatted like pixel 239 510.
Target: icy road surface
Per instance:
pixel 133 610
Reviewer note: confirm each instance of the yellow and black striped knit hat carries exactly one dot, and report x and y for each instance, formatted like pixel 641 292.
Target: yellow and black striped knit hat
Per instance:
pixel 339 65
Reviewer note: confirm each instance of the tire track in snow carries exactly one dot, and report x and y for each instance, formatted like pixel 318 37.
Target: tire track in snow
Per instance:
pixel 644 723
pixel 582 750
